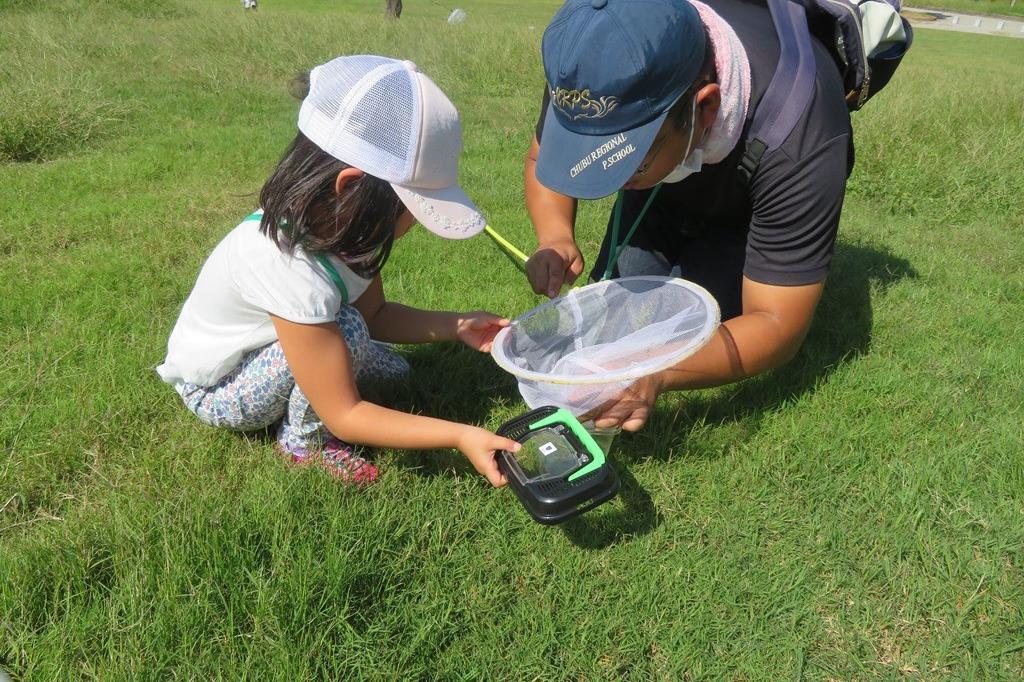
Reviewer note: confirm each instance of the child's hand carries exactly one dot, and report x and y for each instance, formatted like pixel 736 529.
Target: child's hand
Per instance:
pixel 478 329
pixel 478 445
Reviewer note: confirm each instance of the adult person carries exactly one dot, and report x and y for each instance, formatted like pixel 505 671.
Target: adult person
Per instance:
pixel 647 92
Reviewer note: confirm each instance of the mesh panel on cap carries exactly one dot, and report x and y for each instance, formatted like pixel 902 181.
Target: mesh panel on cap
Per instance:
pixel 383 118
pixel 330 83
pixel 362 110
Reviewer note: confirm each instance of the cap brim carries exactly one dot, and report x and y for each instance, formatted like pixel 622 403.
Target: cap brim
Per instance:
pixel 446 212
pixel 591 166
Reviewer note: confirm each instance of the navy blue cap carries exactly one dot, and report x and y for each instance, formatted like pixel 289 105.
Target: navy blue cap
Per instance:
pixel 614 69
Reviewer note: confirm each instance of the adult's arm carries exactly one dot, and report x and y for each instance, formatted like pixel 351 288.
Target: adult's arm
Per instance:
pixel 557 260
pixel 792 235
pixel 768 334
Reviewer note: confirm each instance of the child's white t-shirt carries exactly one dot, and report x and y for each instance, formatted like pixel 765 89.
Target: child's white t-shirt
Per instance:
pixel 245 280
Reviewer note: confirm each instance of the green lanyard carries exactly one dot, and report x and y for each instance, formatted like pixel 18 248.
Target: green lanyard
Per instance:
pixel 333 273
pixel 324 261
pixel 616 249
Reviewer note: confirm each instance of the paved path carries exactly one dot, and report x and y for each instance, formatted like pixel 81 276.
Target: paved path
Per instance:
pixel 967 23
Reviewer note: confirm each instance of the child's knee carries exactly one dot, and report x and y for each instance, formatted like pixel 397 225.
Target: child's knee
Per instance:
pixel 386 363
pixel 353 327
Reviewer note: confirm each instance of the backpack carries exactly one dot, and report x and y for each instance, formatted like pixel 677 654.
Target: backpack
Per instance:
pixel 867 40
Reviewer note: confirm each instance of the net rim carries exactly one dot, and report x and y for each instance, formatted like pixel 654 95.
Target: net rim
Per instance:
pixel 708 331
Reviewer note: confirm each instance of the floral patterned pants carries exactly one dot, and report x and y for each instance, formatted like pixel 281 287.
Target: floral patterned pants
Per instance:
pixel 261 391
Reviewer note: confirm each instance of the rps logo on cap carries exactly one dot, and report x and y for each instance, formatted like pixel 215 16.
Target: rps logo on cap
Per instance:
pixel 577 104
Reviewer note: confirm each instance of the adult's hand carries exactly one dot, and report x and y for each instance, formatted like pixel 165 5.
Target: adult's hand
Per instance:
pixel 557 259
pixel 631 409
pixel 552 265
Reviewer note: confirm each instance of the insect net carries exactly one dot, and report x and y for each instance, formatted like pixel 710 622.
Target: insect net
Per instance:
pixel 581 350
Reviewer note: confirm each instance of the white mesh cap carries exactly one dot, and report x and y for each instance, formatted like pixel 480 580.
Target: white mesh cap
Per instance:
pixel 389 120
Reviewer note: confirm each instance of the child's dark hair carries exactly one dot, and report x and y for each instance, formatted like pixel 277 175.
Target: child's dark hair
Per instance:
pixel 301 206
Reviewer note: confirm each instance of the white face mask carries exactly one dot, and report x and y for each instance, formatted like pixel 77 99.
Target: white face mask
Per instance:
pixel 693 161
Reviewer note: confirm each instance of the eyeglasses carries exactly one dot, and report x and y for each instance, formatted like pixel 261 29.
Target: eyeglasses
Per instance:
pixel 657 144
pixel 652 153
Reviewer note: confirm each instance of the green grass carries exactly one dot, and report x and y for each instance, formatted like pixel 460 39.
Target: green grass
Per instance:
pixel 1008 8
pixel 857 514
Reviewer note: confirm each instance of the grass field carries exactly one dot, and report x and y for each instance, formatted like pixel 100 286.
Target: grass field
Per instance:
pixel 1008 8
pixel 857 514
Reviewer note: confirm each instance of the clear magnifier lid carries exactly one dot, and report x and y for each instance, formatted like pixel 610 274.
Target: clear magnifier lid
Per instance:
pixel 548 454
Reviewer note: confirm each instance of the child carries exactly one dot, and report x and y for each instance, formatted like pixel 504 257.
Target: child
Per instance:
pixel 284 321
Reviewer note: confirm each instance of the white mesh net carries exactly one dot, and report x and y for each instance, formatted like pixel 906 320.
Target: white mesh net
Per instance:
pixel 362 112
pixel 582 350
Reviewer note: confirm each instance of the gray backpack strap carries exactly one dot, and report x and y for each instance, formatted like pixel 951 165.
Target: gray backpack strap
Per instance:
pixel 790 89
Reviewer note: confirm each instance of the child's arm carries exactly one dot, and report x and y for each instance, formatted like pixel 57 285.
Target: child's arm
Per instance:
pixel 319 361
pixel 397 323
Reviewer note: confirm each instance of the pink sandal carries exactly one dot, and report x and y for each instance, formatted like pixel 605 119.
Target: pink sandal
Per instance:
pixel 340 461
